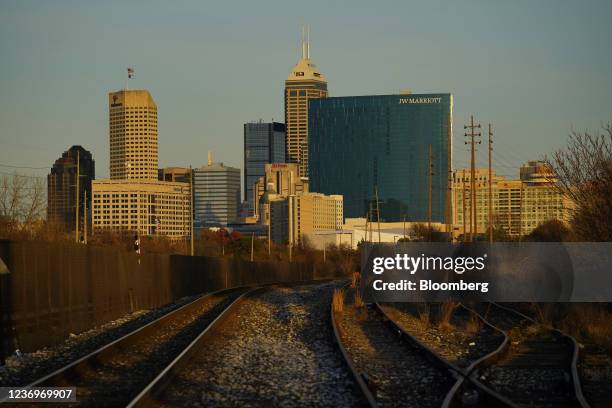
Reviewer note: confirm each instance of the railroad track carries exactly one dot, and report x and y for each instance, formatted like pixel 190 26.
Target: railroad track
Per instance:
pixel 271 347
pixel 391 369
pixel 535 367
pixel 595 370
pixel 116 372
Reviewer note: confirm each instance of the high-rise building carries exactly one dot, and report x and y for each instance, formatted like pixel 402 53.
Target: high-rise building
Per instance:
pixel 134 199
pixel 363 145
pixel 264 143
pixel 304 82
pixel 62 184
pixel 519 205
pixel 133 135
pixel 216 190
pixel 281 179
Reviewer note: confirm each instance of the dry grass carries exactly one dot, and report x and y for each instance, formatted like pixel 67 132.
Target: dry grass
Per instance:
pixel 424 316
pixel 446 312
pixel 354 280
pixel 359 303
pixel 588 323
pixel 473 324
pixel 338 300
pixel 543 313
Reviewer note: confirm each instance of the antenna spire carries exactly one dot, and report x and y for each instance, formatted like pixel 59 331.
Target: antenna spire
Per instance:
pixel 308 41
pixel 304 50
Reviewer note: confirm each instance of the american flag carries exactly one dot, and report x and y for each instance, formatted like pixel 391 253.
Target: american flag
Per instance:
pixel 130 72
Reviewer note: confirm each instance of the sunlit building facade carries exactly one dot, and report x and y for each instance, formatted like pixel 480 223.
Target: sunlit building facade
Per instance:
pixel 519 205
pixel 133 135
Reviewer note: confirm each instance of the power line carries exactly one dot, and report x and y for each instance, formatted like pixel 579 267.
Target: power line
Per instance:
pixel 22 175
pixel 23 167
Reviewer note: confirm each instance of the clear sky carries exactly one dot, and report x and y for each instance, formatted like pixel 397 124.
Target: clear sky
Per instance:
pixel 534 69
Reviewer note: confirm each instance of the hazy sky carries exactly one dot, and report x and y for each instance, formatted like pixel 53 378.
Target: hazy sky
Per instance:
pixel 535 69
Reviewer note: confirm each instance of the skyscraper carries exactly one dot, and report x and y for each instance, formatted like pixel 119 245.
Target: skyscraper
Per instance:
pixel 133 135
pixel 264 143
pixel 216 194
pixel 304 82
pixel 360 145
pixel 61 186
pixel 133 199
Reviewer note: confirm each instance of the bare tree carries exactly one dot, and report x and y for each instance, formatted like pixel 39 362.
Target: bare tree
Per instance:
pixel 584 171
pixel 22 201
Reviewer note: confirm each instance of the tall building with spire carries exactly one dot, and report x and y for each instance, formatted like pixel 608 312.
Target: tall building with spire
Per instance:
pixel 304 82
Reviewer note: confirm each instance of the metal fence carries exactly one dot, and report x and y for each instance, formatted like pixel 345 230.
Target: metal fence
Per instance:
pixel 52 289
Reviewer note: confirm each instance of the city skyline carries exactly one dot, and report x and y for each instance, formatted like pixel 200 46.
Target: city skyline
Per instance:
pixel 524 79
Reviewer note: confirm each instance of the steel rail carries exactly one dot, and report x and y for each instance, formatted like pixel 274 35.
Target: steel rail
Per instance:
pixel 66 374
pixel 492 398
pixel 155 388
pixel 365 391
pixel 577 393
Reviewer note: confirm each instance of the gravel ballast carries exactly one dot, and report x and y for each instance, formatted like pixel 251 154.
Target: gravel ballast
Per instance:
pixel 396 373
pixel 24 370
pixel 275 349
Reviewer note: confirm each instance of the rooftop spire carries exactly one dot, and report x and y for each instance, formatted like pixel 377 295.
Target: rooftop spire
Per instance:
pixel 308 41
pixel 303 44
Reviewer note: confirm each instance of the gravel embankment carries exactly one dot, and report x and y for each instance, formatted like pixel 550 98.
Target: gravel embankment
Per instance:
pixel 464 341
pixel 398 375
pixel 276 349
pixel 20 371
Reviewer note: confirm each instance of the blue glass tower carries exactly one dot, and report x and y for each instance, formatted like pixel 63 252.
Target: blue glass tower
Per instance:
pixel 360 143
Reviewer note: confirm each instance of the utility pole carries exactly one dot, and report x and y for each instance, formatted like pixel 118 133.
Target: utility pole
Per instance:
pixel 429 192
pixel 472 135
pixel 490 186
pixel 78 175
pixel 377 212
pixel 269 236
pixel 192 205
pixel 464 214
pixel 290 227
pixel 252 240
pixel 85 219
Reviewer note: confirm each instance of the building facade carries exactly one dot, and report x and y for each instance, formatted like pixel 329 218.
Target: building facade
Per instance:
pixel 281 179
pixel 363 145
pixel 519 205
pixel 264 143
pixel 303 83
pixel 133 135
pixel 216 190
pixel 174 174
pixel 294 217
pixel 62 187
pixel 143 207
pixel 133 199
